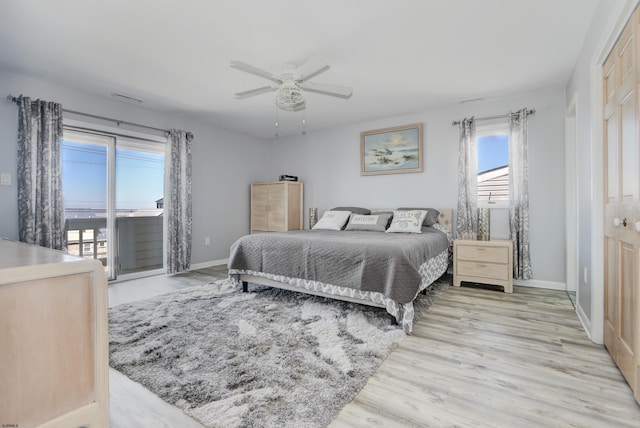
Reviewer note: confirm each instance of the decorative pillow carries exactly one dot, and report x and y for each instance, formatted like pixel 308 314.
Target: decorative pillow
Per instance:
pixel 356 210
pixel 430 219
pixel 332 220
pixel 407 221
pixel 376 223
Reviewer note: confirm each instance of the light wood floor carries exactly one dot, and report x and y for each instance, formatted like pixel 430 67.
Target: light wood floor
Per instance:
pixel 487 359
pixel 478 358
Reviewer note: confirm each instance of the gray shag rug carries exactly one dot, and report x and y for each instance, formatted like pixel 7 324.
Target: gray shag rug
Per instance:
pixel 267 358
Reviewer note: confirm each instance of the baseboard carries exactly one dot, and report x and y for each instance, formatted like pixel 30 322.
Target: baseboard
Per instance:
pixel 211 263
pixel 551 285
pixel 584 320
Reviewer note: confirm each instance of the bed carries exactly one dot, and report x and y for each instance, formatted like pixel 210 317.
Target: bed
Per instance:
pixel 380 269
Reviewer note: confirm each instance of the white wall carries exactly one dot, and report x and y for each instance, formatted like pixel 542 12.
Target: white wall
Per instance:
pixel 224 163
pixel 329 164
pixel 586 86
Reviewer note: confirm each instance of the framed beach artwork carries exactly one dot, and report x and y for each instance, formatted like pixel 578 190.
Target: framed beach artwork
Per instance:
pixel 391 150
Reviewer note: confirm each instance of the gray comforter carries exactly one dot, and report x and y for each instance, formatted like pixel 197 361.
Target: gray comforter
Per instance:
pixel 386 263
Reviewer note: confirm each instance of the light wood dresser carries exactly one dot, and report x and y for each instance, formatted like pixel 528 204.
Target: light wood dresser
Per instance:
pixel 484 262
pixel 54 367
pixel 276 206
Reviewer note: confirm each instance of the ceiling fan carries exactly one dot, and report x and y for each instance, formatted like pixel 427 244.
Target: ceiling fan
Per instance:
pixel 291 84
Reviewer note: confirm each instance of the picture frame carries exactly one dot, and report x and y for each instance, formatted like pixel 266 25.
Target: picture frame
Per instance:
pixel 394 150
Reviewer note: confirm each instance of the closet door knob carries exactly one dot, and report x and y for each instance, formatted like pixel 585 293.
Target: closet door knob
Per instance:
pixel 616 222
pixel 637 226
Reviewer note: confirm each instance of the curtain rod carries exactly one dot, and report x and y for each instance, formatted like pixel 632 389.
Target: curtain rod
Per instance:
pixel 95 116
pixel 530 111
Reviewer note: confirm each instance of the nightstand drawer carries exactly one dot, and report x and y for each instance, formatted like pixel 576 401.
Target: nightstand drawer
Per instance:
pixel 485 270
pixel 483 254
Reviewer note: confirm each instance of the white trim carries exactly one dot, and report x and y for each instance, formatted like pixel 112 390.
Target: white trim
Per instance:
pixel 534 283
pixel 572 213
pixel 137 275
pixel 112 237
pixel 586 324
pixel 113 129
pixel 488 129
pixel 616 24
pixel 211 263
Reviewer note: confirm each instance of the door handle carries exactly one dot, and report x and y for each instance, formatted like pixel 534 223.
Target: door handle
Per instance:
pixel 617 222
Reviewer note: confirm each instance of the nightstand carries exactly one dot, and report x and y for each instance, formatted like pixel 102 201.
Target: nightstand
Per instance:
pixel 484 262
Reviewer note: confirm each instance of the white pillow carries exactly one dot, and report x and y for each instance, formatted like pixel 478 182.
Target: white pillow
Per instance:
pixel 332 220
pixel 407 221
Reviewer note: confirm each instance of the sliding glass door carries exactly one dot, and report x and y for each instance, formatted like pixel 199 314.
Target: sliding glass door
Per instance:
pixel 139 196
pixel 85 188
pixel 113 194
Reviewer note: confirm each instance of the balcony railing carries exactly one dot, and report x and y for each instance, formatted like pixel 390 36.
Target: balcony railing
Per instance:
pixel 87 230
pixel 138 243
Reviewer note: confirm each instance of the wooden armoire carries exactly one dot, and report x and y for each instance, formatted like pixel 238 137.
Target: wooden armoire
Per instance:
pixel 621 74
pixel 276 206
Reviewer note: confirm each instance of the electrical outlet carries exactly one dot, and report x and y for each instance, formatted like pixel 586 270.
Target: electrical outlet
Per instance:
pixel 207 241
pixel 5 179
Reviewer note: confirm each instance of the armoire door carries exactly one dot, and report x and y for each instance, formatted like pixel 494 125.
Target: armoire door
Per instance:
pixel 259 208
pixel 277 199
pixel 622 209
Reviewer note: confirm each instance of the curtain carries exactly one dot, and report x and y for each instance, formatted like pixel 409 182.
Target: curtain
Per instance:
pixel 519 195
pixel 467 220
pixel 178 208
pixel 40 199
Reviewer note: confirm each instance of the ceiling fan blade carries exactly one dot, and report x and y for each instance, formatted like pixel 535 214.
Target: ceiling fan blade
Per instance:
pixel 312 67
pixel 243 66
pixel 327 89
pixel 256 91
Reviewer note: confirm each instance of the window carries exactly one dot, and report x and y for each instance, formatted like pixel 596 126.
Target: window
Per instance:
pixel 492 142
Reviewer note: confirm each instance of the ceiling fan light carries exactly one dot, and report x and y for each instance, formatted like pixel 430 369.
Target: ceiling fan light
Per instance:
pixel 289 97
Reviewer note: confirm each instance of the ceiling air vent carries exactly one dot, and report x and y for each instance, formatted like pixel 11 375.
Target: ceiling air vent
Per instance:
pixel 126 98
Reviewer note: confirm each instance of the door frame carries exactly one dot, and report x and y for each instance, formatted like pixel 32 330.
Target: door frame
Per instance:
pixel 572 213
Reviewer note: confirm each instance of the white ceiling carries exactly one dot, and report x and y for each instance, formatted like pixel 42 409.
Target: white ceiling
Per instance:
pixel 401 56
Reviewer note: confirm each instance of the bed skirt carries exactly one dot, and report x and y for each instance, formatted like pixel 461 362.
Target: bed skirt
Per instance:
pixel 404 313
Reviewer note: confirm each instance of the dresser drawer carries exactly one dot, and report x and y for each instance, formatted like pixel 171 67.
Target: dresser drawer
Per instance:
pixel 483 270
pixel 482 253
